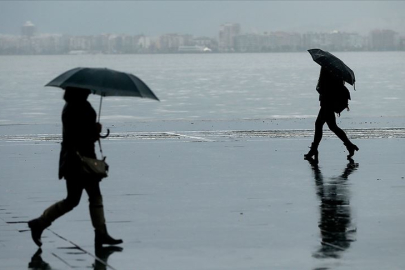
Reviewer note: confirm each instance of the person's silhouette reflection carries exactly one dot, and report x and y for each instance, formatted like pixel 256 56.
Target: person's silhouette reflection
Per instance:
pixel 37 263
pixel 102 254
pixel 100 263
pixel 335 218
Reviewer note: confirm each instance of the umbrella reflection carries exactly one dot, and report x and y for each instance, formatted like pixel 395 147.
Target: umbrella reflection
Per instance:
pixel 102 255
pixel 37 263
pixel 335 218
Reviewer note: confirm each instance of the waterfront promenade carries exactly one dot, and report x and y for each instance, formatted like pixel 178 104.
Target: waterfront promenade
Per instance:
pixel 214 195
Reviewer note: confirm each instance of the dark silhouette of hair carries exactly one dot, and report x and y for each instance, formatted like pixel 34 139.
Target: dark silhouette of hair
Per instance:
pixel 75 94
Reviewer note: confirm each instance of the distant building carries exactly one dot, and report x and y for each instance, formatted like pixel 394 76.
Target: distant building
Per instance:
pixel 206 42
pixel 227 34
pixel 334 41
pixel 401 45
pixel 282 42
pixel 144 43
pixel 268 42
pixel 170 43
pixel 248 43
pixel 384 40
pixel 28 29
pixel 191 49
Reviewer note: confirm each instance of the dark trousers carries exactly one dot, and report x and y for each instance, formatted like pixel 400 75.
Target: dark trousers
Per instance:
pixel 75 189
pixel 327 116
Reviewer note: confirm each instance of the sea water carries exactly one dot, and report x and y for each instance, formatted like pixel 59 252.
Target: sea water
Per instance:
pixel 204 86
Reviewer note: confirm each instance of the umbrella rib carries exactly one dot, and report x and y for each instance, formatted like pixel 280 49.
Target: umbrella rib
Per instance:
pixel 76 70
pixel 129 77
pixel 142 95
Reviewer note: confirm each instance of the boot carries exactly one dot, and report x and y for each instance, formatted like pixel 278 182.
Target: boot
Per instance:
pixel 313 152
pixel 98 220
pixel 37 226
pixel 103 238
pixel 351 148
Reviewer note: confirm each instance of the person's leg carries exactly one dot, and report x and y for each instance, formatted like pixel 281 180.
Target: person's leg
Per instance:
pixel 331 121
pixel 95 204
pixel 97 214
pixel 38 225
pixel 74 193
pixel 320 121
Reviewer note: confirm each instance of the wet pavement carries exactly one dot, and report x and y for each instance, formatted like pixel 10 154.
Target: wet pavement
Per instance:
pixel 214 195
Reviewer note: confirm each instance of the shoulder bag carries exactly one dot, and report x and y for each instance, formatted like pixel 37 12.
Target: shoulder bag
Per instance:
pixel 93 167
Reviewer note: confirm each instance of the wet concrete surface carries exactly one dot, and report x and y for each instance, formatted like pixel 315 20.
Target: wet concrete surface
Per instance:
pixel 213 195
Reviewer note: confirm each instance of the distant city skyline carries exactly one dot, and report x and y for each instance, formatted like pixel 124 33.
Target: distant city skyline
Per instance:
pixel 200 18
pixel 230 39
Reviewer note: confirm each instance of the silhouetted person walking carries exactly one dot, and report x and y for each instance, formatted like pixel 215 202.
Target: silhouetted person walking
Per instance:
pixel 329 87
pixel 80 132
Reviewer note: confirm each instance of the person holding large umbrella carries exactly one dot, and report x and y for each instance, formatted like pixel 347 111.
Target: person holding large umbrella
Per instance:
pixel 331 91
pixel 80 132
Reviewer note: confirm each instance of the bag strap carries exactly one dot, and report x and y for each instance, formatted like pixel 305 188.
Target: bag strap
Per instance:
pixel 101 149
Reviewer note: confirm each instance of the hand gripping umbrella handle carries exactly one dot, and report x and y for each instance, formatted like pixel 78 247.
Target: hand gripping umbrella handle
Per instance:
pixel 106 135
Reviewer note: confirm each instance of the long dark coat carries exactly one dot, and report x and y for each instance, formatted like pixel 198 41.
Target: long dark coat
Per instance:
pixel 331 90
pixel 79 135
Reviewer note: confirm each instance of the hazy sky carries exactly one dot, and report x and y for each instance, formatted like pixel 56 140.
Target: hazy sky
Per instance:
pixel 200 18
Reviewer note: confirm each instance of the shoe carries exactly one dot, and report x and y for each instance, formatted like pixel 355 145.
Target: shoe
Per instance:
pixel 103 238
pixel 351 148
pixel 312 154
pixel 37 226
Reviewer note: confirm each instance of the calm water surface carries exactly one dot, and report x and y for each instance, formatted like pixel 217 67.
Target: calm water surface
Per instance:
pixel 209 86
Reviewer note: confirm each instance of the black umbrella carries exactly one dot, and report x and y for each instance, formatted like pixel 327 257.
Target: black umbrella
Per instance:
pixel 104 82
pixel 333 64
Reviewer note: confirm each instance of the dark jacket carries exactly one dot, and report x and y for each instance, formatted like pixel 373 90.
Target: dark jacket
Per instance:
pixel 329 87
pixel 79 134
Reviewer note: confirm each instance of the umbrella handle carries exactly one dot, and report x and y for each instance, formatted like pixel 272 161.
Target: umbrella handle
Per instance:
pixel 106 135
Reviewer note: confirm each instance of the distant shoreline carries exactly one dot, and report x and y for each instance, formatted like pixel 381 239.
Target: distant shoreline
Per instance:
pixel 183 53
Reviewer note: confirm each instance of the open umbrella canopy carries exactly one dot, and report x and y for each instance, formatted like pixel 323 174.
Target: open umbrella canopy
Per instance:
pixel 333 64
pixel 104 82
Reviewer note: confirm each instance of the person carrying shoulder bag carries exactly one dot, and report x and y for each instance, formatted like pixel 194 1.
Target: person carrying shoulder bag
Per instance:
pixel 80 132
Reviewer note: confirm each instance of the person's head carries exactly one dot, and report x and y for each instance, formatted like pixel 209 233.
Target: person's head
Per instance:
pixel 75 94
pixel 328 77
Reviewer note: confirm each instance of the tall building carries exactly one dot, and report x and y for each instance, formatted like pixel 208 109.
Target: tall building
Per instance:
pixel 28 29
pixel 227 34
pixel 383 40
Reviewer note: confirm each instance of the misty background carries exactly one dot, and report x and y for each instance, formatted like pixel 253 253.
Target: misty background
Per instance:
pixel 200 17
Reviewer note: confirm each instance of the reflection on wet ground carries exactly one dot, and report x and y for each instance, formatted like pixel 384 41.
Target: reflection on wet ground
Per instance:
pixel 102 255
pixel 100 259
pixel 244 201
pixel 335 224
pixel 37 263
